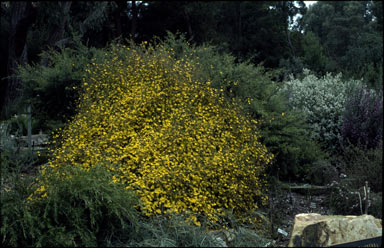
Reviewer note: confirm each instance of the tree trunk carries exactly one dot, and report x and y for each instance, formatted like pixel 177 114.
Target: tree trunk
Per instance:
pixel 135 11
pixel 121 6
pixel 238 26
pixel 59 31
pixel 290 43
pixel 189 27
pixel 23 14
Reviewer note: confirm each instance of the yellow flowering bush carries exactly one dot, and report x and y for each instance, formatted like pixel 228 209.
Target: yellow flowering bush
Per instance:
pixel 178 143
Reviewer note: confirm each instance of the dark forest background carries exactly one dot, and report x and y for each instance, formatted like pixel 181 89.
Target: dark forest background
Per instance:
pixel 330 36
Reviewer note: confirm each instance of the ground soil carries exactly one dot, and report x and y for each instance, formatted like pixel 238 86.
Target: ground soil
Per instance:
pixel 289 204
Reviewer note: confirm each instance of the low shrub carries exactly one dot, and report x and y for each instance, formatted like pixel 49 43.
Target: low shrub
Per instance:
pixel 362 164
pixel 18 124
pixel 83 208
pixel 344 200
pixel 18 223
pixel 75 208
pixel 246 237
pixel 376 207
pixel 362 121
pixel 15 157
pixel 170 230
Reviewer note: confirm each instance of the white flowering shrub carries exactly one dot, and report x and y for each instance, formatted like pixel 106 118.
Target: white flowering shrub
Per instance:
pixel 323 101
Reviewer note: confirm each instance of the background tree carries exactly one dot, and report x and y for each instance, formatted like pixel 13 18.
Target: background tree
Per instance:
pixel 351 36
pixel 21 16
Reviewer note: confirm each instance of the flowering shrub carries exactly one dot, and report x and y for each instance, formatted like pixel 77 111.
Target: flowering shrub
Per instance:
pixel 363 118
pixel 323 101
pixel 177 142
pixel 283 131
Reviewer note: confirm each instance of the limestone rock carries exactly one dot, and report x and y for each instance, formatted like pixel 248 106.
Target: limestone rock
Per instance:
pixel 315 230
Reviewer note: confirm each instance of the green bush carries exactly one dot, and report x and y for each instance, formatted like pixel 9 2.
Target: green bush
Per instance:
pixel 50 87
pixel 79 209
pixel 15 157
pixel 288 138
pixel 362 164
pixel 376 208
pixel 18 223
pixel 323 173
pixel 344 199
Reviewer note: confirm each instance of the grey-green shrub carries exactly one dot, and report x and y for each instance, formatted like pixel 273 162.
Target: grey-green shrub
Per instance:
pixel 323 101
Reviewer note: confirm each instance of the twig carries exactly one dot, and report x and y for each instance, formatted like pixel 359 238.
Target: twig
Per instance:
pixel 361 207
pixel 366 197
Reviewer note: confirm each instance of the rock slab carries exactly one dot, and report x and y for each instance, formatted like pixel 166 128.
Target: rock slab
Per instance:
pixel 315 230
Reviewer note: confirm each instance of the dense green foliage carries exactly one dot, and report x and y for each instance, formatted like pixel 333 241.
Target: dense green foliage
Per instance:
pixel 50 88
pixel 363 164
pixel 14 157
pixel 351 35
pixel 329 36
pixel 81 210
